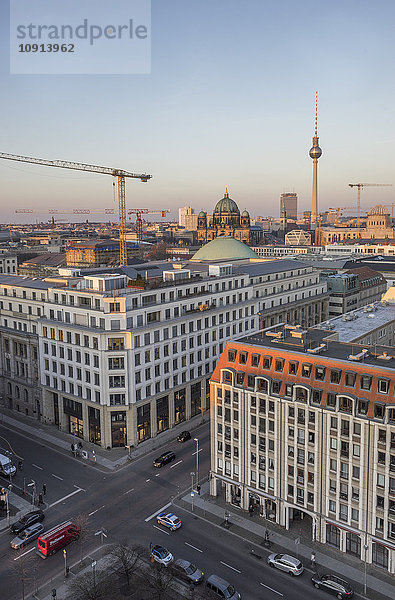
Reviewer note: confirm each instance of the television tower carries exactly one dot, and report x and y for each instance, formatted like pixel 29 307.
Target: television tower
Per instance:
pixel 315 153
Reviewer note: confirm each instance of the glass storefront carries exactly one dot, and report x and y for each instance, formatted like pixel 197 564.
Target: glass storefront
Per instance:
pixel 94 425
pixel 118 429
pixel 76 427
pixel 380 555
pixel 353 544
pixel 143 422
pixel 196 390
pixel 179 406
pixel 332 535
pixel 162 414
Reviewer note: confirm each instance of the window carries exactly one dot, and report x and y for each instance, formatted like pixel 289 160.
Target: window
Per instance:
pixel 331 400
pixel 232 355
pixel 255 360
pixel 345 404
pixel 383 386
pixel 380 480
pixel 306 370
pixel 279 365
pixel 243 358
pixel 350 379
pixel 320 373
pixel 335 376
pixel 266 362
pixel 379 411
pixel 366 382
pixel 293 368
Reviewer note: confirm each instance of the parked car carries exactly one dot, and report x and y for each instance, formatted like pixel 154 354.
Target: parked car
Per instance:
pixel 334 585
pixel 27 535
pixel 286 563
pixel 164 458
pixel 184 436
pixel 7 467
pixel 222 588
pixel 161 555
pixel 56 538
pixel 185 570
pixel 35 516
pixel 169 520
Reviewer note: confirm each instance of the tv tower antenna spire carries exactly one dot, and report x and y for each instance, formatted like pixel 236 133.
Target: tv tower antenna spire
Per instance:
pixel 315 153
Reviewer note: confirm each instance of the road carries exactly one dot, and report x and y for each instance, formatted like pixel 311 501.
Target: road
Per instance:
pixel 124 503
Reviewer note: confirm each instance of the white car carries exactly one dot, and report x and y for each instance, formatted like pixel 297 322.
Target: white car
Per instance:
pixel 286 563
pixel 169 520
pixel 161 555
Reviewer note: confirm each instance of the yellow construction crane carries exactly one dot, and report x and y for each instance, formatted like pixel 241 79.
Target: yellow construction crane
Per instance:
pixel 360 186
pixel 118 173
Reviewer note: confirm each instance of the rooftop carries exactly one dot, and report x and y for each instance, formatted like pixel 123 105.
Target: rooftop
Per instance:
pixel 358 323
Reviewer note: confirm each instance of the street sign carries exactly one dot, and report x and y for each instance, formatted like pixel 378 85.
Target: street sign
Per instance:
pixel 94 563
pixel 297 541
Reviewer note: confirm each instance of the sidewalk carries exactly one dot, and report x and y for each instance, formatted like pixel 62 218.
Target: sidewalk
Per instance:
pixel 380 585
pixel 110 460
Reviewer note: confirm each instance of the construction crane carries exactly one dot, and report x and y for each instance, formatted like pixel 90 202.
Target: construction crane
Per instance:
pixel 98 211
pixel 359 187
pixel 139 221
pixel 118 173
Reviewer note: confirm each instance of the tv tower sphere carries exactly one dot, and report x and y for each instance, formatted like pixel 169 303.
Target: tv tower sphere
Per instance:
pixel 315 152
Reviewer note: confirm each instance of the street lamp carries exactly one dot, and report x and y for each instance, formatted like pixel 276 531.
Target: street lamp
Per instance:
pixel 94 573
pixel 65 562
pixel 365 578
pixel 192 476
pixel 197 459
pixel 33 485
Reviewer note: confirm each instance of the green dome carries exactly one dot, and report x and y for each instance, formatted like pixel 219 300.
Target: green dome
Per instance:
pixel 224 248
pixel 226 205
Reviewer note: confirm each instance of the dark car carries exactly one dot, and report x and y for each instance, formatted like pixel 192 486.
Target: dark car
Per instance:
pixel 184 436
pixel 30 518
pixel 187 571
pixel 334 585
pixel 164 458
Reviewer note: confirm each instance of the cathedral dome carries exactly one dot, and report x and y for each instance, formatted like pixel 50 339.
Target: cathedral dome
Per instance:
pixel 226 205
pixel 246 214
pixel 379 209
pixel 224 248
pixel 202 214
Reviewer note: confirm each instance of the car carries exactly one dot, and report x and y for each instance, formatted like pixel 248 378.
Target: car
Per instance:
pixel 285 562
pixel 27 535
pixel 334 585
pixel 30 518
pixel 184 436
pixel 164 459
pixel 161 555
pixel 169 520
pixel 183 569
pixel 222 588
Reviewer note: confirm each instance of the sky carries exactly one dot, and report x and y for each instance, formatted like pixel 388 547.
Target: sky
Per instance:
pixel 229 102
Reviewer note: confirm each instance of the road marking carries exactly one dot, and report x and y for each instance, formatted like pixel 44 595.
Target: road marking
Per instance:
pixel 229 566
pixel 157 475
pixel 166 532
pixel 79 488
pixel 147 480
pixel 194 547
pixel 175 464
pixel 37 467
pixel 271 589
pixel 24 554
pixel 65 497
pixel 57 477
pixel 193 453
pixel 95 511
pixel 128 492
pixel 157 512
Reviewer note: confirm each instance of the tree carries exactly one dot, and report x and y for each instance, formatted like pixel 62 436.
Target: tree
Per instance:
pixel 91 586
pixel 158 582
pixel 22 566
pixel 126 558
pixel 82 521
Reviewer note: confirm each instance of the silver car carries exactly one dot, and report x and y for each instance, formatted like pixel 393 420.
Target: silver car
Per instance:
pixel 28 535
pixel 286 563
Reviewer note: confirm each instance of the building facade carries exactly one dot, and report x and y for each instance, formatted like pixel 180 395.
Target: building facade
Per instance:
pixel 8 263
pixel 183 213
pixel 289 203
pixel 119 365
pixel 226 221
pixel 303 429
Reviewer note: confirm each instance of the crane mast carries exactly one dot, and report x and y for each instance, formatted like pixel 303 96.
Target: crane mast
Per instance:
pixel 118 173
pixel 360 187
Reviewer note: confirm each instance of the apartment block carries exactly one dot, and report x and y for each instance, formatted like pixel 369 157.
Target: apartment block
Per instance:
pixel 303 430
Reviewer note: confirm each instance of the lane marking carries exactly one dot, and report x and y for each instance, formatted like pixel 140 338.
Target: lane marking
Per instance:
pixel 162 530
pixel 128 492
pixel 230 567
pixel 175 464
pixel 157 475
pixel 79 488
pixel 37 467
pixel 24 554
pixel 157 512
pixel 271 589
pixel 95 511
pixel 147 480
pixel 194 547
pixel 57 477
pixel 65 497
pixel 193 453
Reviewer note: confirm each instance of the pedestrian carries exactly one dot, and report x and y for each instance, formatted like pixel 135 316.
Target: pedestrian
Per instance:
pixel 40 499
pixel 251 509
pixel 44 488
pixel 312 560
pixel 198 488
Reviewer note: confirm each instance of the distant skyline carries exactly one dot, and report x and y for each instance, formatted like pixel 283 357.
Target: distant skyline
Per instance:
pixel 229 102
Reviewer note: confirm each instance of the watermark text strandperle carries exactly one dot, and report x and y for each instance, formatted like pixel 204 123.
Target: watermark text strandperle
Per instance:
pixel 83 31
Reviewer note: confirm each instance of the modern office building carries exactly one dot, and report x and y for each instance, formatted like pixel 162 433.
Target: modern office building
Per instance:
pixel 124 357
pixel 183 213
pixel 289 204
pixel 303 430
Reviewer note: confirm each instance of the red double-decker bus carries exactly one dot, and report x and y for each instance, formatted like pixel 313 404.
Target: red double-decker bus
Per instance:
pixel 53 540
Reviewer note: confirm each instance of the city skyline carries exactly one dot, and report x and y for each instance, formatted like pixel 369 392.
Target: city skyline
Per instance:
pixel 229 102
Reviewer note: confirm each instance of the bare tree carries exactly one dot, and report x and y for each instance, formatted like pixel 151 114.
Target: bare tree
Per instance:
pixel 158 582
pixel 21 564
pixel 82 521
pixel 126 558
pixel 91 586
